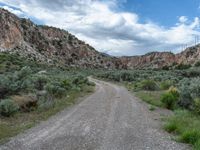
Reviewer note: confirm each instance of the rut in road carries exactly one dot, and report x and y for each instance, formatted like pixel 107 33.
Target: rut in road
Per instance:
pixel 109 119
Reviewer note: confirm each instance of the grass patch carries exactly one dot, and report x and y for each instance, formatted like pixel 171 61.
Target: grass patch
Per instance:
pixel 197 145
pixel 186 125
pixel 21 121
pixel 151 97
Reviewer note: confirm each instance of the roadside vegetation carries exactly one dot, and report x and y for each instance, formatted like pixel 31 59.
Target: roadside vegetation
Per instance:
pixel 31 92
pixel 176 89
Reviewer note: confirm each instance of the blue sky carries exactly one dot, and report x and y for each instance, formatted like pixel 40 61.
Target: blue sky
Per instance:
pixel 163 12
pixel 118 27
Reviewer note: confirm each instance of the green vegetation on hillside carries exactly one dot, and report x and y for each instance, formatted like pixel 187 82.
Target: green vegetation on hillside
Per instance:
pixel 30 92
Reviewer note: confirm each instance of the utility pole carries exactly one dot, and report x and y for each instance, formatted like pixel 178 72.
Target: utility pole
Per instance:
pixel 184 46
pixel 196 40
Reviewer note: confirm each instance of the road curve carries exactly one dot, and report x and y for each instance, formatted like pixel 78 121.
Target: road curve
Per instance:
pixel 109 119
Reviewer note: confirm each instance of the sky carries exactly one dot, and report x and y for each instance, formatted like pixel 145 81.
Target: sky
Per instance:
pixel 118 27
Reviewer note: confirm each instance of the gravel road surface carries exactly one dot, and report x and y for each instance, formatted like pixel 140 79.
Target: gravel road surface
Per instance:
pixel 110 119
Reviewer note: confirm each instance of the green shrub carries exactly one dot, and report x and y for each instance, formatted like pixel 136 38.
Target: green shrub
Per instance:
pixel 195 87
pixel 91 83
pixel 191 73
pixel 189 90
pixel 76 88
pixel 149 85
pixel 183 66
pixel 4 86
pixel 66 83
pixel 197 64
pixel 166 67
pixel 169 100
pixel 80 80
pixel 8 108
pixel 166 84
pixel 44 103
pixel 126 76
pixel 197 105
pixel 54 89
pixel 40 81
pixel 174 91
pixel 13 83
pixel 171 127
pixel 139 75
pixel 24 72
pixel 186 100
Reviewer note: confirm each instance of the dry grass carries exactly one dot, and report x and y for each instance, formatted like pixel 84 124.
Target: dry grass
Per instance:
pixel 25 102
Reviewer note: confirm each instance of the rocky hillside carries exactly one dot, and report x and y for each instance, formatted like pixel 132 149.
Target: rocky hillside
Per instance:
pixel 59 47
pixel 47 44
pixel 149 60
pixel 190 56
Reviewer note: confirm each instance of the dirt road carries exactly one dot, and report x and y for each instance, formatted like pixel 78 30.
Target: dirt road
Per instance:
pixel 109 119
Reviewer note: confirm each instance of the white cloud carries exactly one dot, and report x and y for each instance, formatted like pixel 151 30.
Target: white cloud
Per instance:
pixel 195 23
pixel 183 19
pixel 14 11
pixel 98 23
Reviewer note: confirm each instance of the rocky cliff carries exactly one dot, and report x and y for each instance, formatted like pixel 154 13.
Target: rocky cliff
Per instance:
pixel 47 44
pixel 150 60
pixel 55 46
pixel 190 56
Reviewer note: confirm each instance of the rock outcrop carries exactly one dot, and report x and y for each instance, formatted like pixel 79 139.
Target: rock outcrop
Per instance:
pixel 189 56
pixel 149 60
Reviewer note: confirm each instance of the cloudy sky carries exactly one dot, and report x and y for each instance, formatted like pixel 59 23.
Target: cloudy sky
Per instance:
pixel 118 27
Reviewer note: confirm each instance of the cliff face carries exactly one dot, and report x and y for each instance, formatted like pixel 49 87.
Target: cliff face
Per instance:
pixel 10 32
pixel 161 59
pixel 59 47
pixel 150 60
pixel 190 56
pixel 47 44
